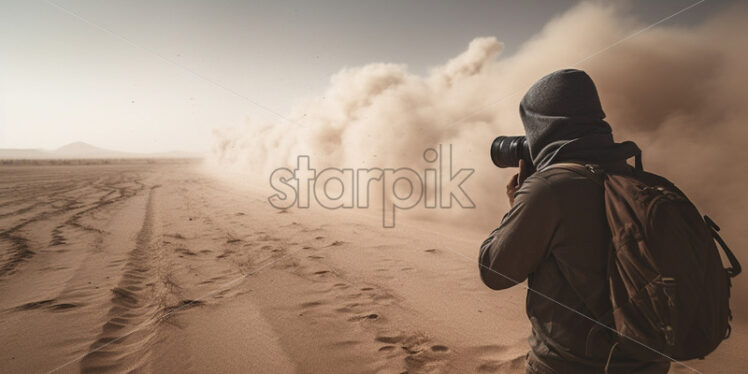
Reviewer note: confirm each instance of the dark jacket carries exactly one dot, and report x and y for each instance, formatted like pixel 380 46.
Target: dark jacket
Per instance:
pixel 556 236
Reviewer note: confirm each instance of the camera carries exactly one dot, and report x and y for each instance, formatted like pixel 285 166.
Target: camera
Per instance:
pixel 506 151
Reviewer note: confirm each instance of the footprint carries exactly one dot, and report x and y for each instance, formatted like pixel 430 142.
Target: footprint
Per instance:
pixel 369 316
pixel 346 309
pixel 311 304
pixel 34 304
pixel 439 348
pixel 184 251
pixel 389 338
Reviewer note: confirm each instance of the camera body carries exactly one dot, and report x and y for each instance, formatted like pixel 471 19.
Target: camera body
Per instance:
pixel 506 151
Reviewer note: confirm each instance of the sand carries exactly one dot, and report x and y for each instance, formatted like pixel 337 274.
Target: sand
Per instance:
pixel 161 267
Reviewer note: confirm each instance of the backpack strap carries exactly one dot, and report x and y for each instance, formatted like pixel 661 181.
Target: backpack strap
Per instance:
pixel 591 171
pixel 630 148
pixel 596 174
pixel 637 154
pixel 735 267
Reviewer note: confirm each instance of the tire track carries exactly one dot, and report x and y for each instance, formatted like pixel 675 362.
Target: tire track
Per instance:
pixel 18 249
pixel 132 304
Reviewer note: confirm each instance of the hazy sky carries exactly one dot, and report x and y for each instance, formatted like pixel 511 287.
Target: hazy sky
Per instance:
pixel 150 76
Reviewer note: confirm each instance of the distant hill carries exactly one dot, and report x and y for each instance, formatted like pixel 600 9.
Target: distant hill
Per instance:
pixel 85 150
pixel 81 150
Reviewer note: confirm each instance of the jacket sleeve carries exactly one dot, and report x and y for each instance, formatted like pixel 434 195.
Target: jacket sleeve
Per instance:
pixel 522 240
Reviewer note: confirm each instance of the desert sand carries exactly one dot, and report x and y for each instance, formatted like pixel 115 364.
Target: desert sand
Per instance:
pixel 161 267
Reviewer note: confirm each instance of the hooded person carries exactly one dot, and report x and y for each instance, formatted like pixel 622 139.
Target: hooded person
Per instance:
pixel 556 236
pixel 564 121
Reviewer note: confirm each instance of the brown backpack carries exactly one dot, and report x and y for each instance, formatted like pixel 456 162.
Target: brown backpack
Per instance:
pixel 668 288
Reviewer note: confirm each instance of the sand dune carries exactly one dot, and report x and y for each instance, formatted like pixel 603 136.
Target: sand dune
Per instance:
pixel 163 268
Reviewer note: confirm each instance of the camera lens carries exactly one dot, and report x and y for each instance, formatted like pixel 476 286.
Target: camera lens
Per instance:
pixel 506 151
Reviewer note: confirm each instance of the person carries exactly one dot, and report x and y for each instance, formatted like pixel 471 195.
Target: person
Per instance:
pixel 556 236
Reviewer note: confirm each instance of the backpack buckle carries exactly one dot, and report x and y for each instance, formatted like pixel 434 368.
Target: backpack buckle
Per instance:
pixel 593 169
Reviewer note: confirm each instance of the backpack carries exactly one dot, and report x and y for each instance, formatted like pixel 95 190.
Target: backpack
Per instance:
pixel 669 291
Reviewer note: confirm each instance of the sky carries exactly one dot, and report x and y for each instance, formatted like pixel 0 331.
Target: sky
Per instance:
pixel 155 76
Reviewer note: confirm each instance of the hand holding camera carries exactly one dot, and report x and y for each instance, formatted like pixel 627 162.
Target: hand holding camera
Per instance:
pixel 515 182
pixel 512 151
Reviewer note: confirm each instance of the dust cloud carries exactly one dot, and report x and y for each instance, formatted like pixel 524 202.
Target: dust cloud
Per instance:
pixel 680 92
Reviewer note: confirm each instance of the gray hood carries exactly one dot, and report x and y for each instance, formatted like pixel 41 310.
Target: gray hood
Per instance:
pixel 563 121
